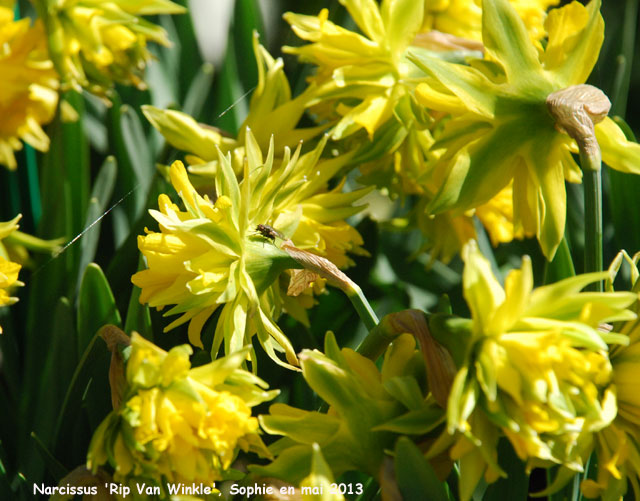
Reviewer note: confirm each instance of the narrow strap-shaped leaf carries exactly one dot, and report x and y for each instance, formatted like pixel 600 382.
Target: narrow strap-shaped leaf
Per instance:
pixel 100 196
pixel 96 305
pixel 415 476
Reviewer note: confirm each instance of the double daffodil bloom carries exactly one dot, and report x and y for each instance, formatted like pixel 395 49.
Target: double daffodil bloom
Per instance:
pixel 536 369
pixel 370 68
pixel 8 269
pixel 28 88
pixel 95 44
pixel 179 424
pixel 618 445
pixel 463 18
pixel 273 116
pixel 503 132
pixel 367 407
pixel 210 255
pixel 362 86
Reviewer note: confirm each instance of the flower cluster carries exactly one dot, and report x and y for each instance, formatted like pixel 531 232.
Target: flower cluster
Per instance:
pixel 484 134
pixel 468 118
pixel 533 365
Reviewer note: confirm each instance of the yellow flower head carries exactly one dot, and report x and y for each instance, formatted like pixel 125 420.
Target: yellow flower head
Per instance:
pixel 95 44
pixel 502 131
pixel 8 269
pixel 367 410
pixel 28 87
pixel 179 424
pixel 618 445
pixel 536 369
pixel 369 68
pixel 210 255
pixel 463 18
pixel 273 116
pixel 362 87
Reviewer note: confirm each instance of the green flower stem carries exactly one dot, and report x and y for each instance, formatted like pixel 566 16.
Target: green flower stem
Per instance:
pixel 592 183
pixel 326 269
pixel 362 306
pixel 34 243
pixel 376 342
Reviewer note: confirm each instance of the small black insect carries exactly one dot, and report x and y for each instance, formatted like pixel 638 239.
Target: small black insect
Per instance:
pixel 268 232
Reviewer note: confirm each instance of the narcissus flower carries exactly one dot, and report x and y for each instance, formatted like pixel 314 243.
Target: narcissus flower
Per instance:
pixel 502 131
pixel 211 255
pixel 8 269
pixel 463 18
pixel 95 44
pixel 362 87
pixel 536 369
pixel 368 68
pixel 28 88
pixel 179 424
pixel 618 445
pixel 364 404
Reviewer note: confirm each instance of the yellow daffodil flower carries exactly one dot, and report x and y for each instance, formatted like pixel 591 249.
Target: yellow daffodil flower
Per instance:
pixel 368 407
pixel 179 424
pixel 502 131
pixel 362 81
pixel 211 255
pixel 618 445
pixel 463 18
pixel 536 369
pixel 95 44
pixel 28 88
pixel 273 115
